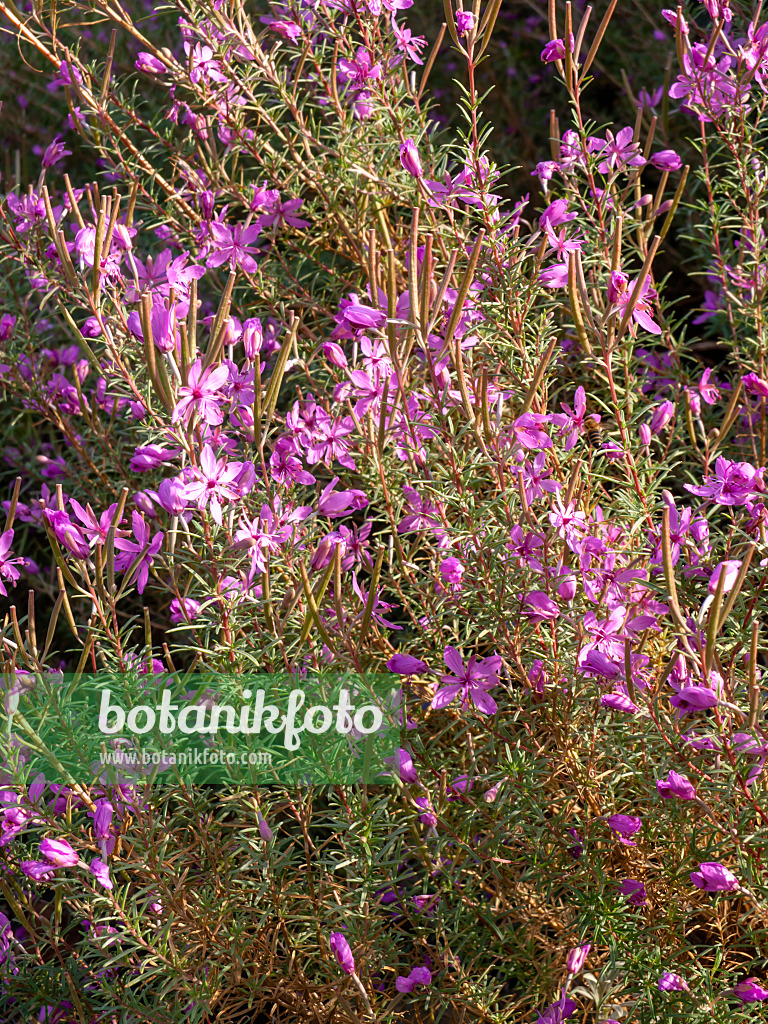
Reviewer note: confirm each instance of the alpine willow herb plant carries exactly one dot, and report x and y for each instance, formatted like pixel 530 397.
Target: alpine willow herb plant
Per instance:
pixel 296 382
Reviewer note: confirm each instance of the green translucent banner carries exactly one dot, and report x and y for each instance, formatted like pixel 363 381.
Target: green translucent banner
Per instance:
pixel 313 729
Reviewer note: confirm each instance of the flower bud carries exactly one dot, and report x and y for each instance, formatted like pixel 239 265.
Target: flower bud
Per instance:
pixel 645 434
pixel 334 353
pixel 577 958
pixel 465 22
pixel 59 853
pixel 253 337
pixel 342 952
pixel 409 158
pixel 171 496
pixel 731 570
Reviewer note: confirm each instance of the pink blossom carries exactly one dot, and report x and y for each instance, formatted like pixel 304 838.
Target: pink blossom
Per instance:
pixel 750 991
pixel 469 681
pixel 201 394
pixel 672 983
pixel 144 546
pixel 418 976
pixel 714 877
pixel 676 785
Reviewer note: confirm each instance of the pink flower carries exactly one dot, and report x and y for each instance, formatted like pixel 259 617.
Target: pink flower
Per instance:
pixel 672 983
pixel 418 976
pixel 408 43
pixel 634 891
pixel 731 570
pixel 101 872
pixel 662 416
pixel 67 534
pixel 619 702
pixel 469 681
pixel 714 877
pixel 144 546
pixel 232 245
pixel 571 421
pixel 149 64
pixel 755 385
pixel 212 482
pixel 465 22
pixel 666 160
pixel 201 395
pixel 734 483
pixel 406 665
pixel 7 565
pixel 750 991
pixel 621 288
pixel 554 50
pixel 676 785
pixel 404 769
pixel 624 825
pixel 539 607
pixel 59 853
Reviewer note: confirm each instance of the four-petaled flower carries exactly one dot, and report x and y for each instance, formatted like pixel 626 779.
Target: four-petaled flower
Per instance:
pixel 469 681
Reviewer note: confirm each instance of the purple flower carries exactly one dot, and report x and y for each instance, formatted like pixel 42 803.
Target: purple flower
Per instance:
pixel 619 702
pixel 662 416
pixel 624 825
pixel 557 1012
pixel 143 546
pixel 7 565
pixel 690 699
pixel 731 570
pixel 634 891
pixel 101 872
pixel 213 481
pixel 539 607
pixel 102 819
pixel 37 870
pixel 201 395
pixel 409 158
pixel 403 766
pixel 418 976
pixel 676 785
pixel 185 610
pixel 750 991
pixel 666 160
pixel 554 50
pixel 150 457
pixel 571 421
pixel 232 245
pixel 149 64
pixel 470 681
pixel 714 877
pixel 55 152
pixel 734 483
pixel 465 22
pixel 342 952
pixel 755 385
pixel 408 43
pixel 672 983
pixel 67 534
pixel 406 665
pixel 172 496
pixel 59 853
